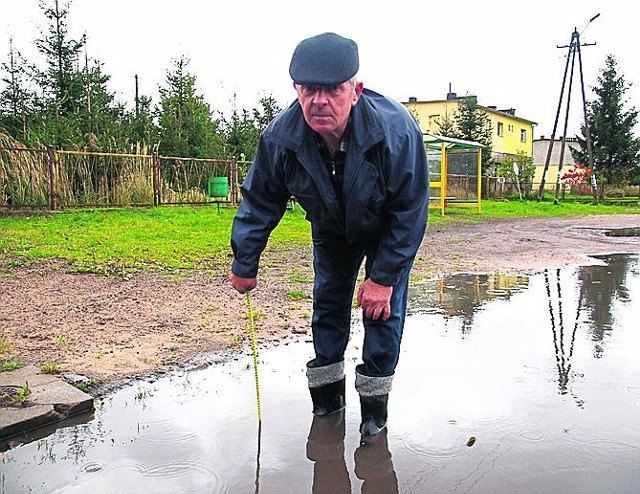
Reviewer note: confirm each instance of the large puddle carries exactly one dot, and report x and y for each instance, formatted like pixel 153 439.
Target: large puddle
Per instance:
pixel 505 384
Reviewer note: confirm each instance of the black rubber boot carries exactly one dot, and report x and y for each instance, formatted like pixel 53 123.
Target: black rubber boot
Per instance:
pixel 374 395
pixel 374 414
pixel 326 385
pixel 329 398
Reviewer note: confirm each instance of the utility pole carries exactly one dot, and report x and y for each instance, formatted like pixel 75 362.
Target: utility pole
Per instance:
pixel 574 47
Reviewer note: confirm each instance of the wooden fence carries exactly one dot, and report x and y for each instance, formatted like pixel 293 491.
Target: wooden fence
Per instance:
pixel 52 179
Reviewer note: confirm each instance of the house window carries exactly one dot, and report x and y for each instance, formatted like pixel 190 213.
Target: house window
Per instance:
pixel 500 129
pixel 510 127
pixel 523 135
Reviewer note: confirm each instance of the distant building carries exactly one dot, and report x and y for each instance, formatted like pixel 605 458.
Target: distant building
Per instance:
pixel 540 150
pixel 510 133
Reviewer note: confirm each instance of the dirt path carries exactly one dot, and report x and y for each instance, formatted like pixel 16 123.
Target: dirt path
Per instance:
pixel 109 329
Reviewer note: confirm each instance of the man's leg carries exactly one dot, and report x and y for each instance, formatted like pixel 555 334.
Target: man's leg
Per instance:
pixel 336 266
pixel 380 357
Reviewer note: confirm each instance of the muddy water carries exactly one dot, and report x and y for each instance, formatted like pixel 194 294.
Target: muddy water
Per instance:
pixel 505 384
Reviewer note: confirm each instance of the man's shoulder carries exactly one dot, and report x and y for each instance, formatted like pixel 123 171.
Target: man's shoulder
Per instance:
pixel 388 114
pixel 378 100
pixel 287 127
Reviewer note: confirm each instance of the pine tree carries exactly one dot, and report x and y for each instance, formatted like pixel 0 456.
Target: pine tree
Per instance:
pixel 267 111
pixel 473 124
pixel 61 104
pixel 185 122
pixel 446 126
pixel 243 131
pixel 97 115
pixel 137 125
pixel 616 152
pixel 240 135
pixel 62 56
pixel 16 99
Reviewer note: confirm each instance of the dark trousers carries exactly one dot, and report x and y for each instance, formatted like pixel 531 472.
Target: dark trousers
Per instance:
pixel 336 265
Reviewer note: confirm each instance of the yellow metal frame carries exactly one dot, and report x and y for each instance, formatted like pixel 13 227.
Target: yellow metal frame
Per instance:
pixel 445 144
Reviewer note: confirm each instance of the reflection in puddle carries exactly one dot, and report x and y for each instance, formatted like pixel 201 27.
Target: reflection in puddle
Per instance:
pixel 623 232
pixel 541 371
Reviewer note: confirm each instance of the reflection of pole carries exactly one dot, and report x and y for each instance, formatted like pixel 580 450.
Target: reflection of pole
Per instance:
pixel 563 359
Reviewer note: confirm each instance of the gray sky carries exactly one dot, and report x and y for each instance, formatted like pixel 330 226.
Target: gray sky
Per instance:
pixel 504 52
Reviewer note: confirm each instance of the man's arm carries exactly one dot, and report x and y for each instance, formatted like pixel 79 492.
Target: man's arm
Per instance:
pixel 264 200
pixel 406 210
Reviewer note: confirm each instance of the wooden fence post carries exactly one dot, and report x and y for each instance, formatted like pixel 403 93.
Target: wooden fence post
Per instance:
pixel 156 178
pixel 234 181
pixel 51 162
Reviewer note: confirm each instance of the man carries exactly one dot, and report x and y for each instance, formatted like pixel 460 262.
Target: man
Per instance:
pixel 355 161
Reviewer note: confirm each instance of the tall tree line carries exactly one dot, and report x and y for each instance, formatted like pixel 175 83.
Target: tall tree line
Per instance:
pixel 615 149
pixel 67 104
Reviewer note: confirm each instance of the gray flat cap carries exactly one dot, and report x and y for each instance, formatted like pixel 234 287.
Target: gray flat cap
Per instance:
pixel 326 59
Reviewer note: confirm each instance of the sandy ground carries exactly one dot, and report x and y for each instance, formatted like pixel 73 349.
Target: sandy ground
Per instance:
pixel 110 328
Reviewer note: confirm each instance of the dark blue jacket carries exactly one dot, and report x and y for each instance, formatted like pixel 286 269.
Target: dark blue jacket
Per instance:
pixel 386 186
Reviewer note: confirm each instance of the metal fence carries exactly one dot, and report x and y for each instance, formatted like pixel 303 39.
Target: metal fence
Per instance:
pixel 51 179
pixel 500 188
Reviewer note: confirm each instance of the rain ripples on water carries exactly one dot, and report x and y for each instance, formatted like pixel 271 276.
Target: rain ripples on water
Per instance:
pixel 524 383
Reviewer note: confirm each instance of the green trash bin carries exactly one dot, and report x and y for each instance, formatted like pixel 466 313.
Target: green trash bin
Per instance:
pixel 218 186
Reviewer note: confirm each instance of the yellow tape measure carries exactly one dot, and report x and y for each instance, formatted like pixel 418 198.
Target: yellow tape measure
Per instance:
pixel 252 327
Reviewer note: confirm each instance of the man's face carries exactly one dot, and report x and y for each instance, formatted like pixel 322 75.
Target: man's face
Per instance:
pixel 326 108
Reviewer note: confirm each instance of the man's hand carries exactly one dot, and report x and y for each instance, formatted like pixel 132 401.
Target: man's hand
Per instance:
pixel 242 285
pixel 375 300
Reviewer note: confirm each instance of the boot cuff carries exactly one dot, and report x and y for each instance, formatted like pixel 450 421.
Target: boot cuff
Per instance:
pixel 327 374
pixel 373 386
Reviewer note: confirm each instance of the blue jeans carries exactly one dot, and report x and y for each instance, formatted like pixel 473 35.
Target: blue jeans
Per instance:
pixel 336 264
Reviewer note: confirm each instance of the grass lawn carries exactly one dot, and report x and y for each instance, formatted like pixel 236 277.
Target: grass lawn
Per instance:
pixel 120 241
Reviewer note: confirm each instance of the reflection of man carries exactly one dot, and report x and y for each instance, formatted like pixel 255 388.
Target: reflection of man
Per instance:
pixel 373 464
pixel 325 447
pixel 356 163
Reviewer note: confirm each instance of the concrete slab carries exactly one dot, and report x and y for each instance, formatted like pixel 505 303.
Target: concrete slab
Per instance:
pixel 52 401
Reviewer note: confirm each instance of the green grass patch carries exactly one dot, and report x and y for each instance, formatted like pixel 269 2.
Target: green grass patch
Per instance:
pixel 8 362
pixel 10 365
pixel 510 209
pixel 125 240
pixel 298 295
pixel 91 383
pixel 61 341
pixel 121 241
pixel 528 208
pixel 50 368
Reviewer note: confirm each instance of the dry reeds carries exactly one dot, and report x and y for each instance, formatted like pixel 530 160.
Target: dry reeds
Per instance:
pixel 102 179
pixel 24 177
pixel 185 181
